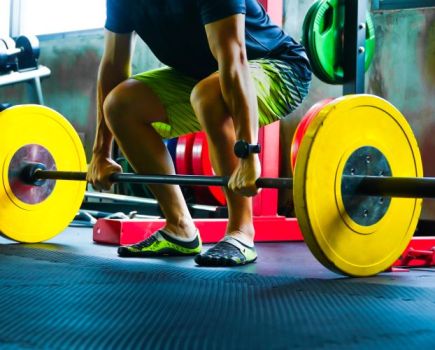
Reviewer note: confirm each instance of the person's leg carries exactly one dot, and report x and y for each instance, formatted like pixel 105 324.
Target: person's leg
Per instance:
pixel 130 110
pixel 211 111
pixel 237 246
pixel 279 92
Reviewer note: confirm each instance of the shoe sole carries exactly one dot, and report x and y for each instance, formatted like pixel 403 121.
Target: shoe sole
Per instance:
pixel 219 261
pixel 124 253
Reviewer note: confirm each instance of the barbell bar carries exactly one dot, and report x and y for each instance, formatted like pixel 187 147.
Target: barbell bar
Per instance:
pixel 357 155
pixel 404 187
pixel 30 175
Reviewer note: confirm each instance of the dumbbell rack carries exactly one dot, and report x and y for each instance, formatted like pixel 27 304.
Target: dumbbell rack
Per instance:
pixel 33 77
pixel 19 63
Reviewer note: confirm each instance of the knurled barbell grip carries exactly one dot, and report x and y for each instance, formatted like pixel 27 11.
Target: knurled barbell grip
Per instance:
pixel 34 173
pixel 198 180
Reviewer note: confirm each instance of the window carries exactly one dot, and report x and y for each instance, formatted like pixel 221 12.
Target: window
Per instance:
pixel 56 16
pixel 5 12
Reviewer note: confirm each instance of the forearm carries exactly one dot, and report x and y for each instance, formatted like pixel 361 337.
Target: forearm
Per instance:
pixel 239 95
pixel 103 136
pixel 108 79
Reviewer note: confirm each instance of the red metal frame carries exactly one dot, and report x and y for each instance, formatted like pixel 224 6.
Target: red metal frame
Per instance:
pixel 275 10
pixel 266 202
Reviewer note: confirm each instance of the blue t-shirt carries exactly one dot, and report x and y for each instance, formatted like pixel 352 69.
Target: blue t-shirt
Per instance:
pixel 174 31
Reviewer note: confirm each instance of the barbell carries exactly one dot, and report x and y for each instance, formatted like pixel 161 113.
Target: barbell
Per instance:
pixel 357 186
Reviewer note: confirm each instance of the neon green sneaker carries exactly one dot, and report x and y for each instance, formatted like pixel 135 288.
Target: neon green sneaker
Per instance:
pixel 227 252
pixel 161 244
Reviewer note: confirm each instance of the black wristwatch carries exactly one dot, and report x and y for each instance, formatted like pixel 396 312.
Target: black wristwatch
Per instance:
pixel 242 149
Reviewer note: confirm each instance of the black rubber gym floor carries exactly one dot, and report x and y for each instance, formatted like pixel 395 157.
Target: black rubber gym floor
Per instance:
pixel 70 293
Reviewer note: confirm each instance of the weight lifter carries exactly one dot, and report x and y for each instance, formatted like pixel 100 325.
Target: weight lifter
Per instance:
pixel 228 70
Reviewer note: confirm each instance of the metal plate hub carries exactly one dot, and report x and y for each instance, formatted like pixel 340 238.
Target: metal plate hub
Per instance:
pixel 365 210
pixel 30 194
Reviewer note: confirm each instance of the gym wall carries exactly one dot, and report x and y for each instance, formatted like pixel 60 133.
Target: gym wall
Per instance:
pixel 403 72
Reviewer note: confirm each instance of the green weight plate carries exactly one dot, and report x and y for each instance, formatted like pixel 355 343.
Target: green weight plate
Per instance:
pixel 307 23
pixel 324 41
pixel 317 66
pixel 370 41
pixel 325 37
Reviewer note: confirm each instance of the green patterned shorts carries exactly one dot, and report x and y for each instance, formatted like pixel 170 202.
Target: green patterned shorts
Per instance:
pixel 280 90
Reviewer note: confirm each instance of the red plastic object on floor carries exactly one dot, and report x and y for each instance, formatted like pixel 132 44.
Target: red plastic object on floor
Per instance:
pixel 121 232
pixel 420 252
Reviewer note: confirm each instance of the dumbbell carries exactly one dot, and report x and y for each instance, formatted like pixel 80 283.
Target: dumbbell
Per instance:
pixel 21 55
pixel 8 60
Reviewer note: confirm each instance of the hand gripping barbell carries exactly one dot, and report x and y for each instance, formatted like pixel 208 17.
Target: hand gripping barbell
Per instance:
pixel 357 187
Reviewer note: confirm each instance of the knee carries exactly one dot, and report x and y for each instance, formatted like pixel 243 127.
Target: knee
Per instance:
pixel 117 108
pixel 114 108
pixel 205 98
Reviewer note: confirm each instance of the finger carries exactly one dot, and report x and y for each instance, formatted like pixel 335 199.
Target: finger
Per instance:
pixel 106 185
pixel 249 191
pixel 95 186
pixel 231 184
pixel 115 168
pixel 246 193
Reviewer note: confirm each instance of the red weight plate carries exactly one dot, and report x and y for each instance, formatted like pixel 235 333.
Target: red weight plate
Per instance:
pixel 302 128
pixel 183 154
pixel 201 165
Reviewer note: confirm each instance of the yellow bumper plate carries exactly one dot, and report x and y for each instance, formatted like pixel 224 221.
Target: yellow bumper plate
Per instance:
pixel 338 130
pixel 33 133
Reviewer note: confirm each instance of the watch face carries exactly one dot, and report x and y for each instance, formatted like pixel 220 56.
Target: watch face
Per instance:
pixel 241 149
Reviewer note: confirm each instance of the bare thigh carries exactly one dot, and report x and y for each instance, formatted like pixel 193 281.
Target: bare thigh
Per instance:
pixel 134 101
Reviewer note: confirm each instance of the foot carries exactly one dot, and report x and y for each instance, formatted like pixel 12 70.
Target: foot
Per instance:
pixel 227 252
pixel 183 231
pixel 162 243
